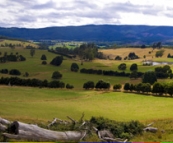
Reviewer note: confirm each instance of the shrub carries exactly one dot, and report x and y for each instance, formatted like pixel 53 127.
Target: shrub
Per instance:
pixel 118 129
pixel 44 63
pixel 56 75
pixel 14 72
pixel 22 58
pixel 4 71
pixel 117 86
pixel 118 58
pixel 68 86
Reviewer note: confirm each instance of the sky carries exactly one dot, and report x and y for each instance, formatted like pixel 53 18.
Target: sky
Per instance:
pixel 47 13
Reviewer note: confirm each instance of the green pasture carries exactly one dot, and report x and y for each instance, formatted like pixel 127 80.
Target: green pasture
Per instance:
pixel 33 66
pixel 44 104
pixel 35 105
pixel 69 45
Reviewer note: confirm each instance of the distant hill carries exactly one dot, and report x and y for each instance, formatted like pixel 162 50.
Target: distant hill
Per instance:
pixel 122 34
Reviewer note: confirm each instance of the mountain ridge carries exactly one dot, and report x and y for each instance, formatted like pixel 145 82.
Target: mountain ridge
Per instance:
pixel 111 33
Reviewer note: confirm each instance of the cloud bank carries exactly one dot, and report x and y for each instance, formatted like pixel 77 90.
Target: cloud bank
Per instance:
pixel 46 13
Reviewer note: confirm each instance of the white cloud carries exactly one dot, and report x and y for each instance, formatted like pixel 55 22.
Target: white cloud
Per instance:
pixel 45 13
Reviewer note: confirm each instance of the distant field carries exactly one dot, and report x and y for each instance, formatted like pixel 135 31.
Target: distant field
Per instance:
pixel 69 45
pixel 33 66
pixel 123 52
pixel 15 42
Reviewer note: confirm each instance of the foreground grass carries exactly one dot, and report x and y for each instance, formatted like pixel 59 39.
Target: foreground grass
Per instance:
pixel 44 104
pixel 35 105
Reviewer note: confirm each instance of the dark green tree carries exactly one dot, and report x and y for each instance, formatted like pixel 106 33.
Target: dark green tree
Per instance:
pixel 14 72
pixel 117 87
pixel 122 66
pixel 32 52
pixel 74 67
pixel 149 77
pixel 56 75
pixel 134 74
pixel 57 61
pixel 127 86
pixel 158 88
pixel 43 57
pixel 88 85
pixel 134 67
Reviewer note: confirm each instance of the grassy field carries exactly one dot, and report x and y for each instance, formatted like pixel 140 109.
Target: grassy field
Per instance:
pixel 42 104
pixel 69 45
pixel 15 42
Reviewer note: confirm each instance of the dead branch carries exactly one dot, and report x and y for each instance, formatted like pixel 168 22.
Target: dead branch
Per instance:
pixel 150 124
pixel 71 119
pixel 151 129
pixel 52 123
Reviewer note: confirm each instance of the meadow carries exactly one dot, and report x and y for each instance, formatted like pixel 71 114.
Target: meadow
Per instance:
pixel 42 104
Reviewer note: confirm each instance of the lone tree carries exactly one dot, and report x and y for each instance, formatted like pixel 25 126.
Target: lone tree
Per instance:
pixel 134 67
pixel 74 67
pixel 43 57
pixel 32 52
pixel 149 77
pixel 122 66
pixel 57 61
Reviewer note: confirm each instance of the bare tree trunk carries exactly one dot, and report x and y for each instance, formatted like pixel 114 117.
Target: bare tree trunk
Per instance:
pixel 3 127
pixel 31 132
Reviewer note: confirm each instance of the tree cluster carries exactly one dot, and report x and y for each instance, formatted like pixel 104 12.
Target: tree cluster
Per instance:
pixel 99 85
pixel 11 58
pixel 11 72
pixel 163 72
pixel 87 51
pixel 131 56
pixel 157 88
pixel 31 82
pixel 133 74
pixel 91 71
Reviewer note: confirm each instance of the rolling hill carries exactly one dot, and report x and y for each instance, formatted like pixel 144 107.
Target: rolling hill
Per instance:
pixel 122 34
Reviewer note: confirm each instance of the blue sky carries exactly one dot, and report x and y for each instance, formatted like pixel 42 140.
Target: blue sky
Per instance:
pixel 46 13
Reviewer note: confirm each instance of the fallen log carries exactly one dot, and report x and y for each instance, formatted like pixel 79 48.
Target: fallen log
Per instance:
pixel 4 121
pixel 19 130
pixel 3 127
